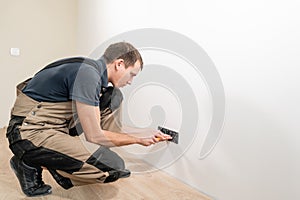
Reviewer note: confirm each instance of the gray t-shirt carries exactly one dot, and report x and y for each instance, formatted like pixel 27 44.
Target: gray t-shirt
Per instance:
pixel 69 81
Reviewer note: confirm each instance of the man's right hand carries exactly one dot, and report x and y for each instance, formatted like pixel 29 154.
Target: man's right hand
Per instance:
pixel 155 138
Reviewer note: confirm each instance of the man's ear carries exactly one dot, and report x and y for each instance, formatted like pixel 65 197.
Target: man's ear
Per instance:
pixel 119 63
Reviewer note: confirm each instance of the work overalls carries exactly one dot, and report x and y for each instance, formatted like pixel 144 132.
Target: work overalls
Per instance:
pixel 39 133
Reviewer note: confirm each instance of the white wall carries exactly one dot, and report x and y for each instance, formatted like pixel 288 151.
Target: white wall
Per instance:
pixel 43 30
pixel 255 47
pixel 91 25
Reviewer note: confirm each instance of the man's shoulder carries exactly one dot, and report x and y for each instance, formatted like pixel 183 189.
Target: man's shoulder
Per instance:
pixel 73 61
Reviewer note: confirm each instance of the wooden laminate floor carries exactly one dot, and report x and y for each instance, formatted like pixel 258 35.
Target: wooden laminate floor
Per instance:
pixel 155 185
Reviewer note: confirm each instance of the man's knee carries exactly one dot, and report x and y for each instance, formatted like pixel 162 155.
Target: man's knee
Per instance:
pixel 106 160
pixel 111 97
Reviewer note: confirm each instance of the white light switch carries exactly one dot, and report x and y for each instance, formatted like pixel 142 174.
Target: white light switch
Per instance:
pixel 14 51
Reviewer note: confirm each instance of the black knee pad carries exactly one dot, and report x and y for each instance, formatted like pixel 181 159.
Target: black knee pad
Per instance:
pixel 111 97
pixel 109 161
pixel 106 160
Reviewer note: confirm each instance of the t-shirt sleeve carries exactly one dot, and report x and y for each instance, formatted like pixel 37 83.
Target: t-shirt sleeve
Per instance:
pixel 87 86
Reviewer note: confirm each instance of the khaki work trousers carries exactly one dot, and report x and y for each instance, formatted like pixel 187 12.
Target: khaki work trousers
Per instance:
pixel 42 139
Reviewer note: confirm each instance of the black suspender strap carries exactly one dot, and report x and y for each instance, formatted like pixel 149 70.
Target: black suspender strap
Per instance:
pixel 72 60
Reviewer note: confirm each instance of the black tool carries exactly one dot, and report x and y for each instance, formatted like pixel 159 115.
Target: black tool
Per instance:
pixel 173 134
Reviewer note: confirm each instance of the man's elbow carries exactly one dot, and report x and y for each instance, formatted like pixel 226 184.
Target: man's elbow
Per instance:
pixel 99 139
pixel 89 139
pixel 92 138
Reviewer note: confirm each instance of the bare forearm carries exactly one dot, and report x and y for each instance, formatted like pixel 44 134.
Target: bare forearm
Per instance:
pixel 110 139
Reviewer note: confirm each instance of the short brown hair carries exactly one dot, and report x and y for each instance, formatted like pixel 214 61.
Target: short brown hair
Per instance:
pixel 125 51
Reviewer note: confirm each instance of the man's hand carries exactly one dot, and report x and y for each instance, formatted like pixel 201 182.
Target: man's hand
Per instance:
pixel 155 138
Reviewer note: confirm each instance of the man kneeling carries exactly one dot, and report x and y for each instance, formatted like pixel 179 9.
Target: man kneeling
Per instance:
pixel 66 98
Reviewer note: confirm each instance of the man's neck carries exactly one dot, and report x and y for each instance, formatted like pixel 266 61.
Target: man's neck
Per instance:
pixel 109 68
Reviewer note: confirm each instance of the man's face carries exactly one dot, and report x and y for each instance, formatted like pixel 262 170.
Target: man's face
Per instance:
pixel 126 75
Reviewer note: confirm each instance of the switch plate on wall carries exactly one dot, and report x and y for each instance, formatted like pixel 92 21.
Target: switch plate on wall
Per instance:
pixel 14 51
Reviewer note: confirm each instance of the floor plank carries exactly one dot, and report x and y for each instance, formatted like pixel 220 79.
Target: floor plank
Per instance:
pixel 152 185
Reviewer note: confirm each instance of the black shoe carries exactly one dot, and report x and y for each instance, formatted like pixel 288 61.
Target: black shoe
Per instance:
pixel 116 174
pixel 62 181
pixel 30 178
